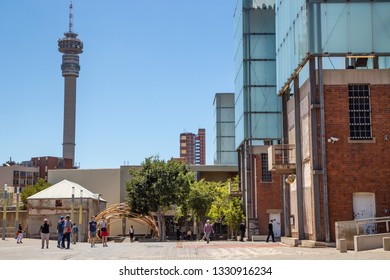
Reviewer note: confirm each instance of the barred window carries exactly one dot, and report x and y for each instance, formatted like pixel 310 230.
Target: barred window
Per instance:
pixel 266 175
pixel 359 112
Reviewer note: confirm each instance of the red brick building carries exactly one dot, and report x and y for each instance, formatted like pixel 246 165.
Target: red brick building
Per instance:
pixel 344 160
pixel 193 147
pixel 48 163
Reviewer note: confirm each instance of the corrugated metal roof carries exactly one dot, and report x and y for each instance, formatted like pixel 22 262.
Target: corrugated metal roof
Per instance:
pixel 63 189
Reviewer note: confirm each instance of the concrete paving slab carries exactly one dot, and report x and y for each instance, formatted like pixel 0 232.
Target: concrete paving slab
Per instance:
pixel 183 250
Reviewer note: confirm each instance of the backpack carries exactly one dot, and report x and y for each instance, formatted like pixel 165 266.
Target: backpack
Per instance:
pixel 60 226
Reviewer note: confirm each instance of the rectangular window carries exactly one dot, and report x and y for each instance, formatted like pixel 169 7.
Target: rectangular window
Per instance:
pixel 58 203
pixel 266 175
pixel 359 112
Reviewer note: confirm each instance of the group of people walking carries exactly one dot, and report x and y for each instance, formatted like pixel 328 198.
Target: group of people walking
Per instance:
pixel 66 231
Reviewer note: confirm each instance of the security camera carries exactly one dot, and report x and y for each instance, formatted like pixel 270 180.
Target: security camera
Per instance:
pixel 333 139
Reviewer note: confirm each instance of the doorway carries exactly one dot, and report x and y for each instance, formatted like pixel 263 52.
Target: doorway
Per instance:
pixel 275 217
pixel 364 208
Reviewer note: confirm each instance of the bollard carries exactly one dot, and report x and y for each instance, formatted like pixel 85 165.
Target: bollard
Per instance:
pixel 343 245
pixel 386 243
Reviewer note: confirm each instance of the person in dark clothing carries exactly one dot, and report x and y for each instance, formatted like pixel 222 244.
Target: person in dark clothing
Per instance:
pixel 242 230
pixel 270 231
pixel 131 233
pixel 45 233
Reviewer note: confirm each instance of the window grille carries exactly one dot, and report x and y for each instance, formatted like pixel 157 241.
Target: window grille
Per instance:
pixel 359 112
pixel 266 175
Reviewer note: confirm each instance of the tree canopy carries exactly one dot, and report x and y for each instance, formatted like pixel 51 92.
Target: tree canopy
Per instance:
pixel 40 185
pixel 157 186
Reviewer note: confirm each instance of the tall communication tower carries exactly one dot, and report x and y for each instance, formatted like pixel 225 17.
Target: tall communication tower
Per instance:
pixel 71 47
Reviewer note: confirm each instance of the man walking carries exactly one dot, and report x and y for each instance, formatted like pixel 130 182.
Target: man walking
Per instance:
pixel 208 229
pixel 45 233
pixel 131 232
pixel 67 231
pixel 60 231
pixel 242 230
pixel 92 225
pixel 270 231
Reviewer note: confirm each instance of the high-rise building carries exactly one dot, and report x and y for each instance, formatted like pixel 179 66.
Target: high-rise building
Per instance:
pixel 193 147
pixel 225 152
pixel 71 47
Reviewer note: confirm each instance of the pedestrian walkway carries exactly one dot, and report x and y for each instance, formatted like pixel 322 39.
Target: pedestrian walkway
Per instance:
pixel 182 250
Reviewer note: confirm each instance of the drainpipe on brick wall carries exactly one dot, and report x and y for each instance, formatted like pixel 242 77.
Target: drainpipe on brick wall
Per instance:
pixel 298 157
pixel 285 186
pixel 323 150
pixel 316 172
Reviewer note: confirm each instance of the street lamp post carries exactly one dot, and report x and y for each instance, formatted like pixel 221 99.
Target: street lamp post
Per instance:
pixel 80 216
pixel 4 211
pixel 72 207
pixel 17 209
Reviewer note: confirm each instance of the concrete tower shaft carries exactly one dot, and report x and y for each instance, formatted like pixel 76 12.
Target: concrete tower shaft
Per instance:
pixel 71 47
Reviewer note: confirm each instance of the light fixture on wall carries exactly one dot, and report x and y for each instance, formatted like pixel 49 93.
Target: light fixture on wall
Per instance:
pixel 290 179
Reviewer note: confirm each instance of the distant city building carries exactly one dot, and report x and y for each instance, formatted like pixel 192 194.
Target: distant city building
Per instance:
pixel 193 147
pixel 18 176
pixel 225 152
pixel 48 163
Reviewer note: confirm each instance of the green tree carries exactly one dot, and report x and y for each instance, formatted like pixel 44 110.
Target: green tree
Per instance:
pixel 200 199
pixel 227 208
pixel 40 185
pixel 158 186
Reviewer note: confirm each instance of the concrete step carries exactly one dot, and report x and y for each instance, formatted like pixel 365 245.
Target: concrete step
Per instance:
pixel 312 244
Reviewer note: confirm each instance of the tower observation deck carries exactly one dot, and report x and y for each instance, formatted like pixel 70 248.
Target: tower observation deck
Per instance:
pixel 71 47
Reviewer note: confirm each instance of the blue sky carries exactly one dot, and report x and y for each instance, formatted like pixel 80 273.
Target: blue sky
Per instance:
pixel 149 71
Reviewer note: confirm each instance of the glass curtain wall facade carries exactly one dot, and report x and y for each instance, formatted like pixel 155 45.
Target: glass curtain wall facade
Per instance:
pixel 225 152
pixel 258 109
pixel 329 28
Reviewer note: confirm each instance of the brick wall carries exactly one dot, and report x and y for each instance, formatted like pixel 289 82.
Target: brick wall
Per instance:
pixel 269 197
pixel 357 166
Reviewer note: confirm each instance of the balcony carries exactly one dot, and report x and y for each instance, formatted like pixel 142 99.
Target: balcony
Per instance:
pixel 281 159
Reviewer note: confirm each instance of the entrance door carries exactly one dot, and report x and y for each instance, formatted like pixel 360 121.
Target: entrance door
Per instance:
pixel 364 208
pixel 275 217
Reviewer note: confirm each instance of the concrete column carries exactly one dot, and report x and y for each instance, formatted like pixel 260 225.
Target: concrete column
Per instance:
pixel 343 245
pixel 386 243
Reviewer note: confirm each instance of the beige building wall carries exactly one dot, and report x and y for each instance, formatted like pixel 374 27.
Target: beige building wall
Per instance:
pixel 105 182
pixel 7 175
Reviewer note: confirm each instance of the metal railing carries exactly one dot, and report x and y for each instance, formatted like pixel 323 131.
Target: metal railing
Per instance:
pixel 348 229
pixel 281 158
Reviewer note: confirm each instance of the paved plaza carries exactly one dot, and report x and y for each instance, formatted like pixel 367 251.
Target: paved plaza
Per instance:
pixel 183 250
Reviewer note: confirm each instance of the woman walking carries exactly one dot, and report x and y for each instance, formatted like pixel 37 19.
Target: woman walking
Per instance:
pixel 104 231
pixel 20 234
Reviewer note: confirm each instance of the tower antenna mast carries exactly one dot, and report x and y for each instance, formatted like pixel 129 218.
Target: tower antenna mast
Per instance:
pixel 70 17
